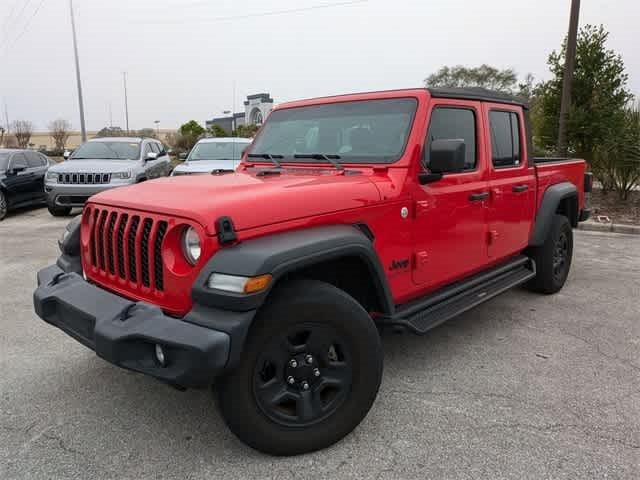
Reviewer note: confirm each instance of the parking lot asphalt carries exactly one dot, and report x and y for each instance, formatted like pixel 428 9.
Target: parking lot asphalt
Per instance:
pixel 524 386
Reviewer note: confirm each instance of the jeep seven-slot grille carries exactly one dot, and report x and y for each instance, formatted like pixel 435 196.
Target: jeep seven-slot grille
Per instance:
pixel 84 178
pixel 129 247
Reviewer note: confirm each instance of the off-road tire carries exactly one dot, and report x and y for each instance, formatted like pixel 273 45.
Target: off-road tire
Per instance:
pixel 3 206
pixel 553 258
pixel 57 211
pixel 294 307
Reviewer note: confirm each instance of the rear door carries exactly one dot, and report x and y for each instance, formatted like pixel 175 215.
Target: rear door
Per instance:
pixel 38 165
pixel 512 182
pixel 450 214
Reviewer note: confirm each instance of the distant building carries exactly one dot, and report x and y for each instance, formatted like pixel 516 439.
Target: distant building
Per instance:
pixel 256 109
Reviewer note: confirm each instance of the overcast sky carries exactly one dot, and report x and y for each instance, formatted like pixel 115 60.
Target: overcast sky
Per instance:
pixel 184 56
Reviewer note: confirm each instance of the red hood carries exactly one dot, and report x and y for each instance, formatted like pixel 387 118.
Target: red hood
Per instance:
pixel 249 200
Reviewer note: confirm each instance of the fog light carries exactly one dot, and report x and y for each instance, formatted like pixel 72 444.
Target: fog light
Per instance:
pixel 160 355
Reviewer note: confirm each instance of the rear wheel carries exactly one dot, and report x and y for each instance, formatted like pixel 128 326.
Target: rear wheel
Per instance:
pixel 553 258
pixel 57 211
pixel 3 206
pixel 311 371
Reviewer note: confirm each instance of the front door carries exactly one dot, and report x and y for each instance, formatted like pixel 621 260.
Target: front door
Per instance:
pixel 19 183
pixel 450 214
pixel 512 183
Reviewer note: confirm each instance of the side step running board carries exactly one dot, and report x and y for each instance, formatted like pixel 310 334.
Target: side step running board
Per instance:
pixel 429 312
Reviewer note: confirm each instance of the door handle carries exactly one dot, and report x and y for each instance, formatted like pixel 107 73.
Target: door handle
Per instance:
pixel 478 197
pixel 520 188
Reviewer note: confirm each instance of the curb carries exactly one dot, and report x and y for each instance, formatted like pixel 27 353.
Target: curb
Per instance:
pixel 609 227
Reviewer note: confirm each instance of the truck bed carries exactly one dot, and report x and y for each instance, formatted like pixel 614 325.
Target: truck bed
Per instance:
pixel 550 171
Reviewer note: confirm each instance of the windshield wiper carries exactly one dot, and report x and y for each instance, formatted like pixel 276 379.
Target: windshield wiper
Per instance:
pixel 332 159
pixel 267 156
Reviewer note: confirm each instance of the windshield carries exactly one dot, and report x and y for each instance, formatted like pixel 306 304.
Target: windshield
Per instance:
pixel 217 151
pixel 108 151
pixel 371 131
pixel 4 160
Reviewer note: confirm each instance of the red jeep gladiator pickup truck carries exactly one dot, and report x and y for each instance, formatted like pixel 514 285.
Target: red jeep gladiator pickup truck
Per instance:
pixel 349 213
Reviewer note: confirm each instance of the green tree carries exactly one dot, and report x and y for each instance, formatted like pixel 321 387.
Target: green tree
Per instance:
pixel 484 76
pixel 192 128
pixel 246 131
pixel 190 133
pixel 218 131
pixel 598 100
pixel 617 160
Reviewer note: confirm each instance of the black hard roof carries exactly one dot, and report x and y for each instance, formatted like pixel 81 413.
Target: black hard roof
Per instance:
pixel 478 93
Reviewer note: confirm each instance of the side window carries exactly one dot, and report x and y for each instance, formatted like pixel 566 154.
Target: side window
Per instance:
pixel 505 138
pixel 18 160
pixel 154 147
pixel 454 123
pixel 34 160
pixel 147 149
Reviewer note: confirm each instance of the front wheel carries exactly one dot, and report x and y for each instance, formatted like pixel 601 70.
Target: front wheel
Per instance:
pixel 553 258
pixel 3 206
pixel 57 211
pixel 311 371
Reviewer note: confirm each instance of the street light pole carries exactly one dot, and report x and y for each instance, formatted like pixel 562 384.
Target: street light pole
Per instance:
pixel 567 80
pixel 83 130
pixel 126 101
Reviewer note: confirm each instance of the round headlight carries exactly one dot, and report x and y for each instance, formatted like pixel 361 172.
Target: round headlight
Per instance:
pixel 191 245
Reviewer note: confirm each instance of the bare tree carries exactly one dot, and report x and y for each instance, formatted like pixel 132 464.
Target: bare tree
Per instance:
pixel 60 131
pixel 22 130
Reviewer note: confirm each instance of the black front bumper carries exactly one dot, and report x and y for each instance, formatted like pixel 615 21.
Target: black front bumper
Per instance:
pixel 126 333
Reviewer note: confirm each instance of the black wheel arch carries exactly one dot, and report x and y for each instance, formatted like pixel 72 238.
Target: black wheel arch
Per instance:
pixel 561 198
pixel 338 254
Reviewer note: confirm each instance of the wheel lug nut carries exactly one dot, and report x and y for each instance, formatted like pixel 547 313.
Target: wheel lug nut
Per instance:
pixel 291 380
pixel 309 359
pixel 293 363
pixel 305 386
pixel 316 372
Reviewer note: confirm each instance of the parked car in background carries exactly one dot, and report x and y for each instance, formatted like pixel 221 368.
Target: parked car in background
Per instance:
pixel 21 178
pixel 213 154
pixel 101 164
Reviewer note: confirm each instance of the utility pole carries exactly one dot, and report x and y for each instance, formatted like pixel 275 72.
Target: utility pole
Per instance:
pixel 6 117
pixel 157 122
pixel 110 116
pixel 75 51
pixel 567 80
pixel 126 101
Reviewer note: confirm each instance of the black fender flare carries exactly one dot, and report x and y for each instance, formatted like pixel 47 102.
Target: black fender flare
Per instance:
pixel 277 254
pixel 283 253
pixel 548 208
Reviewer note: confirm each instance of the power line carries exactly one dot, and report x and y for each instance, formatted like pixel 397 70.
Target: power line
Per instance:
pixel 26 26
pixel 5 37
pixel 11 12
pixel 254 15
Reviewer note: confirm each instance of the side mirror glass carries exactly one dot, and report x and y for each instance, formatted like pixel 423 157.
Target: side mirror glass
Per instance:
pixel 66 154
pixel 152 156
pixel 183 156
pixel 447 156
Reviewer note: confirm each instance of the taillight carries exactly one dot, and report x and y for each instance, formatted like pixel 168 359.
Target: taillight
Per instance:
pixel 588 182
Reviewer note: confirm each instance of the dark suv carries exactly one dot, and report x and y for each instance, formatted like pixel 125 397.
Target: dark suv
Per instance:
pixel 21 179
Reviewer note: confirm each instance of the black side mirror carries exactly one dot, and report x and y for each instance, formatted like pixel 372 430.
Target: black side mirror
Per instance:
pixel 447 156
pixel 15 169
